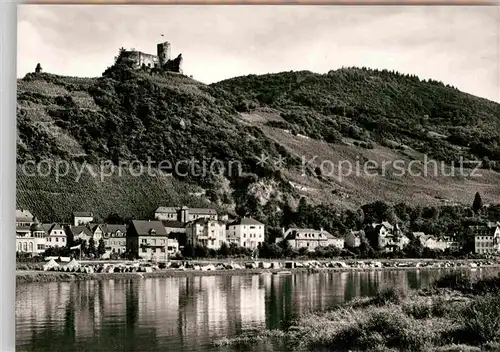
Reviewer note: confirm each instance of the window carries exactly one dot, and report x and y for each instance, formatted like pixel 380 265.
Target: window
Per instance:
pixel 144 241
pixel 163 249
pixel 25 247
pixel 19 246
pixel 144 250
pixel 41 247
pixel 57 239
pixel 31 247
pixel 62 239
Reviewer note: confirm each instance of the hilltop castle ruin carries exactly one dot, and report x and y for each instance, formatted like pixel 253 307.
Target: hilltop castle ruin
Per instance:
pixel 162 60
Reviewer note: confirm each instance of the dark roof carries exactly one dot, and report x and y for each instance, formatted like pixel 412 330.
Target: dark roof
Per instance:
pixel 50 227
pixel 245 221
pixel 293 233
pixel 75 230
pixel 173 224
pixel 144 227
pixel 202 211
pixel 482 230
pixel 82 214
pixel 166 210
pixel 37 227
pixel 94 226
pixel 112 228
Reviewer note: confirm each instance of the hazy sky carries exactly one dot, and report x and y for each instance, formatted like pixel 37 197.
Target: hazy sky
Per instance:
pixel 456 45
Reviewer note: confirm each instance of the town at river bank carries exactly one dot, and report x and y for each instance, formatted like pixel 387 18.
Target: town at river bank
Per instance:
pixel 27 273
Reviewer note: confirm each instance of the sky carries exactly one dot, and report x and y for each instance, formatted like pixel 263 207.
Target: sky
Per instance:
pixel 455 45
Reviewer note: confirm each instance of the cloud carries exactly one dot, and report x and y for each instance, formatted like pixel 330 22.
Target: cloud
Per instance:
pixel 456 45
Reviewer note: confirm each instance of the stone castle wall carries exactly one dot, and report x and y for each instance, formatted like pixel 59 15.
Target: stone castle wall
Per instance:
pixel 162 60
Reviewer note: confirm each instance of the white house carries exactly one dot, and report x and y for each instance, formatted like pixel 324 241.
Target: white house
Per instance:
pixel 206 232
pixel 167 213
pixel 82 218
pixel 311 239
pixel 192 214
pixel 246 232
pixel 56 236
pixel 486 238
pixel 33 242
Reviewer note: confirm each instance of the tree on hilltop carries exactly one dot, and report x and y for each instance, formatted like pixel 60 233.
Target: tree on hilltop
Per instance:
pixel 478 202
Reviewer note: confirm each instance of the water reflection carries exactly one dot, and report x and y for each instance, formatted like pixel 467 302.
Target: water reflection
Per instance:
pixel 181 314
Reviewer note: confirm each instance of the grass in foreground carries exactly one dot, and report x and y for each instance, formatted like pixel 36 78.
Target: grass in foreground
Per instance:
pixel 454 314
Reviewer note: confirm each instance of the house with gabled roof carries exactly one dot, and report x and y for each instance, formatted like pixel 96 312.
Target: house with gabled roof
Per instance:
pixel 311 238
pixel 82 218
pixel 24 220
pixel 246 232
pixel 81 232
pixel 486 238
pixel 206 232
pixel 192 214
pixel 115 238
pixel 167 213
pixel 389 237
pixel 147 239
pixel 56 236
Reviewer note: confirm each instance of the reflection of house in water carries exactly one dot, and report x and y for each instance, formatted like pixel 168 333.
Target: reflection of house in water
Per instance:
pixel 35 305
pixel 115 297
pixel 318 291
pixel 87 299
pixel 159 305
pixel 203 312
pixel 252 303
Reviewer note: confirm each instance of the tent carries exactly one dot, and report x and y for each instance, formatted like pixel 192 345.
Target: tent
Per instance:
pixel 72 265
pixel 50 265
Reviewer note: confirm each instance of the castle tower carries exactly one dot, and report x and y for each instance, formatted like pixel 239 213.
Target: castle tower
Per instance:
pixel 163 51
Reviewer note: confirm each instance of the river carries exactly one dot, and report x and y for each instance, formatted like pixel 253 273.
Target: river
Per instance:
pixel 182 313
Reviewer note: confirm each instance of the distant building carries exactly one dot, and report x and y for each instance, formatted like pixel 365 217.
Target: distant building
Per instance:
pixel 81 232
pixel 192 214
pixel 246 232
pixel 115 238
pixel 56 236
pixel 311 239
pixel 32 242
pixel 167 213
pixel 82 218
pixel 147 239
pixel 24 220
pixel 353 239
pixel 162 60
pixel 431 242
pixel 185 214
pixel 206 232
pixel 389 237
pixel 486 238
pixel 172 246
pixel 97 232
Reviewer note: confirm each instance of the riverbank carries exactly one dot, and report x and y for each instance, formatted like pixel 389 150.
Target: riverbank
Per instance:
pixel 454 313
pixel 27 276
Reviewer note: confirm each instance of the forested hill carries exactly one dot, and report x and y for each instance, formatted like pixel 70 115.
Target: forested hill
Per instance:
pixel 343 115
pixel 376 106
